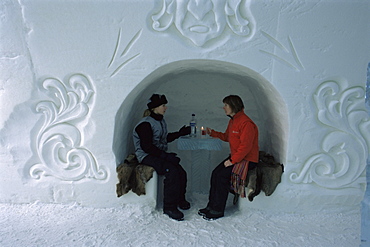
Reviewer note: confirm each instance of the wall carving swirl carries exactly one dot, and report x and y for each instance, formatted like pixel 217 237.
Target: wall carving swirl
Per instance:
pixel 201 21
pixel 345 148
pixel 59 142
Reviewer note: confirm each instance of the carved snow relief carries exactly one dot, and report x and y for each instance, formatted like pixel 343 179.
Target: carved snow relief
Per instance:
pixel 59 142
pixel 291 52
pixel 203 20
pixel 345 149
pixel 121 59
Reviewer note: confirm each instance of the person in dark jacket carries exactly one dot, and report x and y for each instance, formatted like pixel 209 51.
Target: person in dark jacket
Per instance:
pixel 230 174
pixel 151 140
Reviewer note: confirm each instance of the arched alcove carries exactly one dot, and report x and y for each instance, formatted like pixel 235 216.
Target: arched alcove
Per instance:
pixel 198 86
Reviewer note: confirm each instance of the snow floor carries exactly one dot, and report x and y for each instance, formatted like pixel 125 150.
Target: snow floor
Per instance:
pixel 50 225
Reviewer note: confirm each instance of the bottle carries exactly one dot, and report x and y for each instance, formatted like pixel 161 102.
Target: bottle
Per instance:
pixel 193 126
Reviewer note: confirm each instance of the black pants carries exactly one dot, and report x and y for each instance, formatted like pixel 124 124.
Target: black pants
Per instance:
pixel 221 185
pixel 174 183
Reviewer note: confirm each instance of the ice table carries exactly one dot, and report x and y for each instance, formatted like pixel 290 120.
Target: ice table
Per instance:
pixel 200 159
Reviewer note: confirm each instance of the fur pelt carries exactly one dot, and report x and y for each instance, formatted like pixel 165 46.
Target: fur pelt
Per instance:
pixel 132 176
pixel 266 176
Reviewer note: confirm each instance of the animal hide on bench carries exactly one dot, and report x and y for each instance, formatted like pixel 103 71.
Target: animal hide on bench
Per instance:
pixel 132 176
pixel 266 176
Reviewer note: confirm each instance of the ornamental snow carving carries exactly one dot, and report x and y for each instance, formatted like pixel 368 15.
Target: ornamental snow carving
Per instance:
pixel 290 52
pixel 59 142
pixel 203 20
pixel 122 59
pixel 345 148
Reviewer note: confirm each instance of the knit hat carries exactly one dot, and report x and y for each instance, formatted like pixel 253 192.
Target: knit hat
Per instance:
pixel 156 100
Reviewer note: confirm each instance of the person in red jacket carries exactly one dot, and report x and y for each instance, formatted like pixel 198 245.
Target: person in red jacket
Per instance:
pixel 230 174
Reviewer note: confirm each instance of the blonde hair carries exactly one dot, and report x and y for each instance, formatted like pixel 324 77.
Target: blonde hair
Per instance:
pixel 146 113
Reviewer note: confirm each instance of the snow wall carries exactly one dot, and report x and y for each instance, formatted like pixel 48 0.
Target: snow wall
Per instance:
pixel 76 76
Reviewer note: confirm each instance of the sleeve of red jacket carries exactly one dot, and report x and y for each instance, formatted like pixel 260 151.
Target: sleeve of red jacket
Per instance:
pixel 246 142
pixel 223 136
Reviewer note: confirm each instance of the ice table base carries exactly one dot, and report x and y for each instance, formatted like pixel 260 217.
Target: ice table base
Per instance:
pixel 200 160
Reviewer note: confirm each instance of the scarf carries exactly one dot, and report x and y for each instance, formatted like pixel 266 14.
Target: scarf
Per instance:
pixel 238 177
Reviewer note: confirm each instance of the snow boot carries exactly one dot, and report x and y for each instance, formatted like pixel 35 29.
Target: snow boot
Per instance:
pixel 184 205
pixel 174 214
pixel 204 211
pixel 213 215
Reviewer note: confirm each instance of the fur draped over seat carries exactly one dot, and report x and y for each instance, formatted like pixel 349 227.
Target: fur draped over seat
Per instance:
pixel 266 176
pixel 132 176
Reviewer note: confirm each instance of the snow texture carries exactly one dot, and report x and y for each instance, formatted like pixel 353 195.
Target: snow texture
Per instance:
pixel 40 224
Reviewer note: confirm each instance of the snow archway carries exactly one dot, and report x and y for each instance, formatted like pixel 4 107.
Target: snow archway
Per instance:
pixel 198 86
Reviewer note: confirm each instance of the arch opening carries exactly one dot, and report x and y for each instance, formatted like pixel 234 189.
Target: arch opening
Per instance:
pixel 198 86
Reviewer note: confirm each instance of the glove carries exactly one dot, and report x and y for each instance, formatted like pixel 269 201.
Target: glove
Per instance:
pixel 185 130
pixel 171 157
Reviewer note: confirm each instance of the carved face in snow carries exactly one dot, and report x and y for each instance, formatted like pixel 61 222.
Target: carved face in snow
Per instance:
pixel 203 20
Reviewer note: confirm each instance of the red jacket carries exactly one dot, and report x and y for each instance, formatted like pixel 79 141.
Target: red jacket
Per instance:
pixel 242 135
